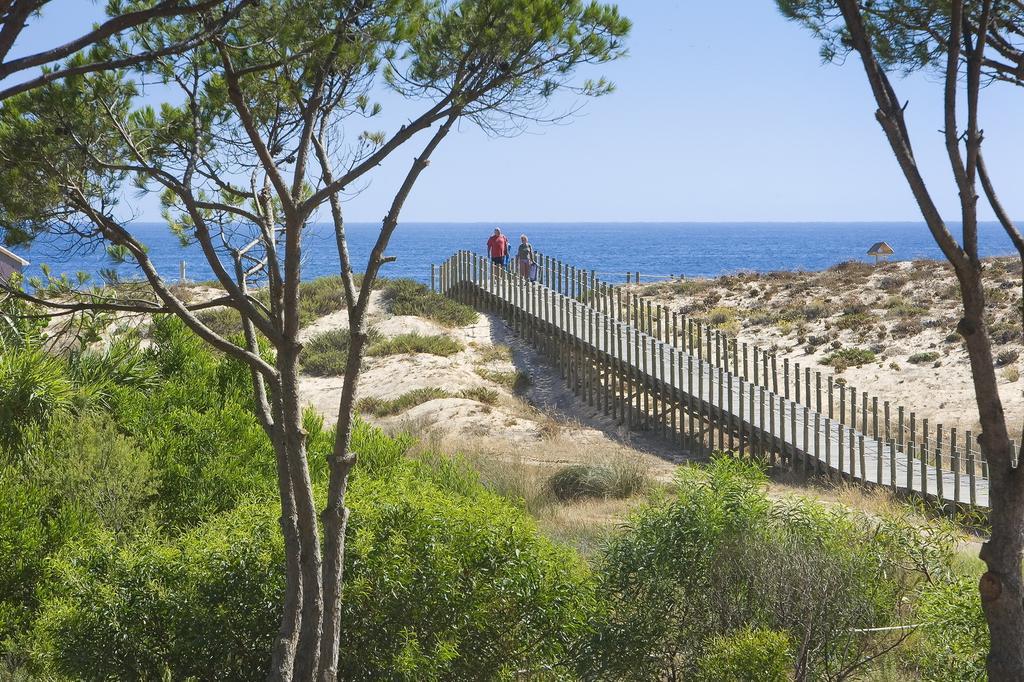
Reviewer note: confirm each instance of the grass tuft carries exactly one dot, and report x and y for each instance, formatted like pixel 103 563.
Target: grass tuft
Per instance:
pixel 380 407
pixel 515 381
pixel 406 297
pixel 618 478
pixel 923 358
pixel 481 394
pixel 415 343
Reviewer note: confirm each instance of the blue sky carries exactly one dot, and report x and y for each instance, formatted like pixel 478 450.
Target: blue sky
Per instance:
pixel 723 112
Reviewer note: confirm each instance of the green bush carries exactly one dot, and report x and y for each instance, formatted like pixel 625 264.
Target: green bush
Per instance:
pixel 34 388
pixel 380 407
pixel 724 557
pixel 481 394
pixel 326 353
pixel 849 357
pixel 617 478
pixel 747 656
pixel 515 380
pixel 440 585
pixel 925 357
pixel 406 297
pixel 953 643
pixel 415 343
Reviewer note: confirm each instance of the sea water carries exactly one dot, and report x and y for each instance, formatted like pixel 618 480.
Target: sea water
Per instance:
pixel 653 249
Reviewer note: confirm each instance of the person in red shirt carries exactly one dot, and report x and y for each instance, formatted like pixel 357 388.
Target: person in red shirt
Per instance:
pixel 497 247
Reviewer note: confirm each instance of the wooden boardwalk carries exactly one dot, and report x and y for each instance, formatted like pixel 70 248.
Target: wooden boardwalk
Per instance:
pixel 641 366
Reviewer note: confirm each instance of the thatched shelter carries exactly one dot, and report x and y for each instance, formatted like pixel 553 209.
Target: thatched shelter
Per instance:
pixel 881 251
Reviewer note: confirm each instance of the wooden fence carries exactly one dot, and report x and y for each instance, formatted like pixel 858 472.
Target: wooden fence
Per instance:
pixel 656 369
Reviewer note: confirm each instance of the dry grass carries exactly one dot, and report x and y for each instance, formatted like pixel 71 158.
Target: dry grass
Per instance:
pixel 493 352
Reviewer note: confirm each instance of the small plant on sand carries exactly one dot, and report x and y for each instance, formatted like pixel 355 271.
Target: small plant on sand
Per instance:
pixel 494 352
pixel 849 357
pixel 923 357
pixel 380 407
pixel 516 381
pixel 406 297
pixel 1004 332
pixel 618 477
pixel 481 394
pixel 223 321
pixel 1006 357
pixel 1011 373
pixel 854 320
pixel 326 353
pixel 415 343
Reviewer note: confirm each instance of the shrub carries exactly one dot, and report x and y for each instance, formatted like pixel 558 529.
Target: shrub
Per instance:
pixel 1012 374
pixel 515 380
pixel 723 557
pixel 953 643
pixel 1004 332
pixel 415 343
pixel 849 357
pixel 481 394
pixel 907 327
pixel 854 320
pixel 750 655
pixel 923 357
pixel 34 388
pixel 1006 357
pixel 619 477
pixel 720 315
pixel 406 297
pixel 443 581
pixel 223 321
pixel 327 353
pixel 380 407
pixel 494 352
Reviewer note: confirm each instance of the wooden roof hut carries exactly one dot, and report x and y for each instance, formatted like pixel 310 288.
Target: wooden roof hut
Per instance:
pixel 881 251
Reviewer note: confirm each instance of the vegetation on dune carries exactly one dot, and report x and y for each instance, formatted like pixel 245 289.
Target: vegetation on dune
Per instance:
pixel 842 358
pixel 326 354
pixel 618 477
pixel 383 407
pixel 160 553
pixel 406 297
pixel 515 380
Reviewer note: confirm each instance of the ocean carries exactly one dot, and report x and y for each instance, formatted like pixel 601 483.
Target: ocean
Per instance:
pixel 653 249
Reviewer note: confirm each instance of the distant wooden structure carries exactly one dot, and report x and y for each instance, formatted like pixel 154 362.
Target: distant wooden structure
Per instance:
pixel 881 251
pixel 658 370
pixel 10 263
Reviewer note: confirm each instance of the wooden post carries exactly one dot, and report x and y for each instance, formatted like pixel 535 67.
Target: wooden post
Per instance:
pixel 746 374
pixel 743 427
pixel 954 456
pixel 775 376
pixel 785 377
pixel 690 397
pixel 828 446
pixel 971 473
pixel 938 462
pixel 721 411
pixel 842 405
pixel 730 415
pixel 840 452
pixel 892 465
pixel 831 413
pixel 817 391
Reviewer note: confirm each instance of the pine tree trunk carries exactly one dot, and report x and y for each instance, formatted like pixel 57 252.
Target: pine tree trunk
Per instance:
pixel 335 515
pixel 1002 593
pixel 307 651
pixel 283 660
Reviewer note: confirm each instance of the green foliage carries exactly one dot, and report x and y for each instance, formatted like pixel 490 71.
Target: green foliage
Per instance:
pixel 747 656
pixel 924 357
pixel 481 394
pixel 380 407
pixel 617 478
pixel 205 605
pixel 406 297
pixel 953 643
pixel 842 358
pixel 326 354
pixel 415 343
pixel 34 388
pixel 441 585
pixel 723 557
pixel 516 381
pixel 854 320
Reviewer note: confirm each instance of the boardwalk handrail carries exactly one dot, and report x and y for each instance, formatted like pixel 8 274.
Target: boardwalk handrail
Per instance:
pixel 827 393
pixel 639 368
